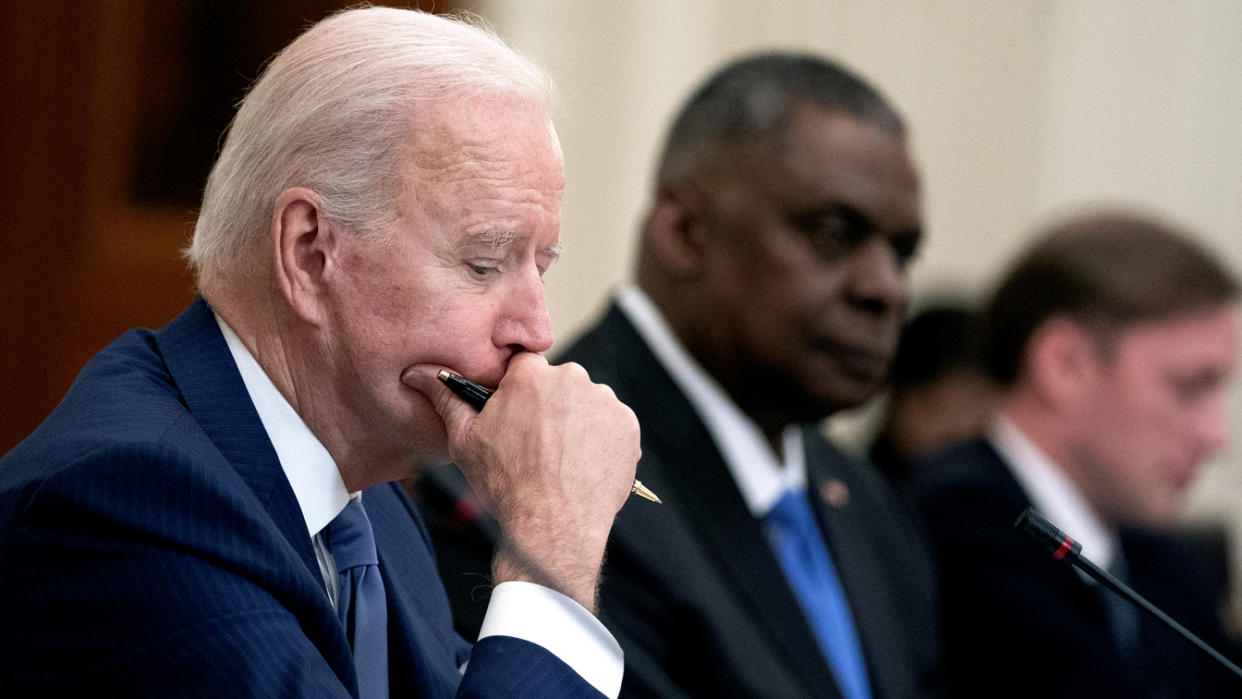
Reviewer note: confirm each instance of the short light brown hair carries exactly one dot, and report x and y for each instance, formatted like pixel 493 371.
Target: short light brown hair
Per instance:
pixel 1106 271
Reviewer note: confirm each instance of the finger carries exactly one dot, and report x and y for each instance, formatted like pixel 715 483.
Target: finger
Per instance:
pixel 455 412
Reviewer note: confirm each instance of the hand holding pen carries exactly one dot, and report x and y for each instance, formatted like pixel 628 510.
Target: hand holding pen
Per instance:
pixel 552 457
pixel 477 396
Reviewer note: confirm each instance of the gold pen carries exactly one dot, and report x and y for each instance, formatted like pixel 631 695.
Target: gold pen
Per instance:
pixel 477 396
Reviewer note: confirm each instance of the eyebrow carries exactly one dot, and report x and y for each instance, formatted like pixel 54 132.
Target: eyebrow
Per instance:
pixel 492 238
pixel 496 238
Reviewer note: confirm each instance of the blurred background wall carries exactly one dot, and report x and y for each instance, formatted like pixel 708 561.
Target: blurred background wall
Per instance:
pixel 110 111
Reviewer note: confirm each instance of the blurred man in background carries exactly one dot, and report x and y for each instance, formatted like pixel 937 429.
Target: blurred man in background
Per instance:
pixel 938 393
pixel 1113 338
pixel 771 287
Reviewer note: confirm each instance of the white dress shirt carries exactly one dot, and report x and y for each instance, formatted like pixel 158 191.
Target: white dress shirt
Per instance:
pixel 1052 492
pixel 761 476
pixel 522 610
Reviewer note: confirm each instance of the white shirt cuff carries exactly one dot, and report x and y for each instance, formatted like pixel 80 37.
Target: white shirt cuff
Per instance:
pixel 549 619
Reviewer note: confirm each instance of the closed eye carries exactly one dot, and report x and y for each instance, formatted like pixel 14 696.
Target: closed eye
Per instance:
pixel 482 272
pixel 1192 387
pixel 832 231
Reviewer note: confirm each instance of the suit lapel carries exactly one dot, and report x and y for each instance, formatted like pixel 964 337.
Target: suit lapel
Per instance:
pixel 203 369
pixel 212 389
pixel 692 471
pixel 836 491
pixel 705 488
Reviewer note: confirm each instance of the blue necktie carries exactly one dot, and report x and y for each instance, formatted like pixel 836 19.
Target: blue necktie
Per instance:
pixel 1123 618
pixel 361 603
pixel 803 555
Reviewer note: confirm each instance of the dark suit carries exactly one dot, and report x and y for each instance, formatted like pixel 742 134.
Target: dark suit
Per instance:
pixel 692 588
pixel 150 545
pixel 1019 623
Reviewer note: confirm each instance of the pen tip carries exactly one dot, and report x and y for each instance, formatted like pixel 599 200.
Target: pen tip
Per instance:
pixel 643 491
pixel 443 375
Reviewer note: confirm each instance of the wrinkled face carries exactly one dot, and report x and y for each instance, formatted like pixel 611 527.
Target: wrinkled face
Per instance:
pixel 1152 412
pixel 461 283
pixel 806 262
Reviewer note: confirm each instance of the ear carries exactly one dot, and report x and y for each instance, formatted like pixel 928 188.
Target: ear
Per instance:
pixel 1061 361
pixel 675 232
pixel 305 247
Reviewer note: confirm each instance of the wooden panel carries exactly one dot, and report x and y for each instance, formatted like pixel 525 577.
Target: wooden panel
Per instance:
pixel 42 106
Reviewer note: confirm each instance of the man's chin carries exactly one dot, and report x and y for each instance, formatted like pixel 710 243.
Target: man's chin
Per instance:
pixel 1164 514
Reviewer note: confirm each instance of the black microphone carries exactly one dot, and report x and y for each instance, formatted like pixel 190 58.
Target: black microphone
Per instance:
pixel 1064 548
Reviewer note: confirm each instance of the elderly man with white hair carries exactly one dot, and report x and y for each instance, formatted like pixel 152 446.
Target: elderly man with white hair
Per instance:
pixel 212 509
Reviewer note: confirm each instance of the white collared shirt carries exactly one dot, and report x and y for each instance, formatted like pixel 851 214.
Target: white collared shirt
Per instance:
pixel 761 476
pixel 1052 492
pixel 522 610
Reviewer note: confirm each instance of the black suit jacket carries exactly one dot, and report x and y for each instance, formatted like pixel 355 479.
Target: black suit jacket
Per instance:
pixel 151 545
pixel 691 587
pixel 1019 623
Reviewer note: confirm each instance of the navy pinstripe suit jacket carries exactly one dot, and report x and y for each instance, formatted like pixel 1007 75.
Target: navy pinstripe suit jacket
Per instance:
pixel 150 545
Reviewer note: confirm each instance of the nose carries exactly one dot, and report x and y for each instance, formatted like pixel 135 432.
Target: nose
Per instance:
pixel 523 323
pixel 877 279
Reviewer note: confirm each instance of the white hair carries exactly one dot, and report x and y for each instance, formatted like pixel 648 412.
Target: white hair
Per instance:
pixel 333 112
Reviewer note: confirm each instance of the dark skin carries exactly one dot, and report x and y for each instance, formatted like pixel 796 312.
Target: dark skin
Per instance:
pixel 781 264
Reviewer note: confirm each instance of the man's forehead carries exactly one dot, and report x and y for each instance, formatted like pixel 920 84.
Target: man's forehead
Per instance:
pixel 516 159
pixel 442 128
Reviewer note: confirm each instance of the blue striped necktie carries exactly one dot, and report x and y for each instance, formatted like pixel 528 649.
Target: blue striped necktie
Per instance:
pixel 803 555
pixel 361 603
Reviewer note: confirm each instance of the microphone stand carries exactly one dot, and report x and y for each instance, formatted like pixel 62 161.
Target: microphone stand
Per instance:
pixel 1065 548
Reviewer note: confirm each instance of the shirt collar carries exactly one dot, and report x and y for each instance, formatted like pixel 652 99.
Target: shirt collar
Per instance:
pixel 760 475
pixel 316 481
pixel 1053 493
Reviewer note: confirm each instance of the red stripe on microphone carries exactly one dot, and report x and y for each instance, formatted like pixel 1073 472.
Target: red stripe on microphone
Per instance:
pixel 1066 544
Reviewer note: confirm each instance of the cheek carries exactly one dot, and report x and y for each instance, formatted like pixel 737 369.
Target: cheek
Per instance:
pixel 780 327
pixel 1127 430
pixel 1144 447
pixel 799 300
pixel 461 334
pixel 395 324
pixel 1157 423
